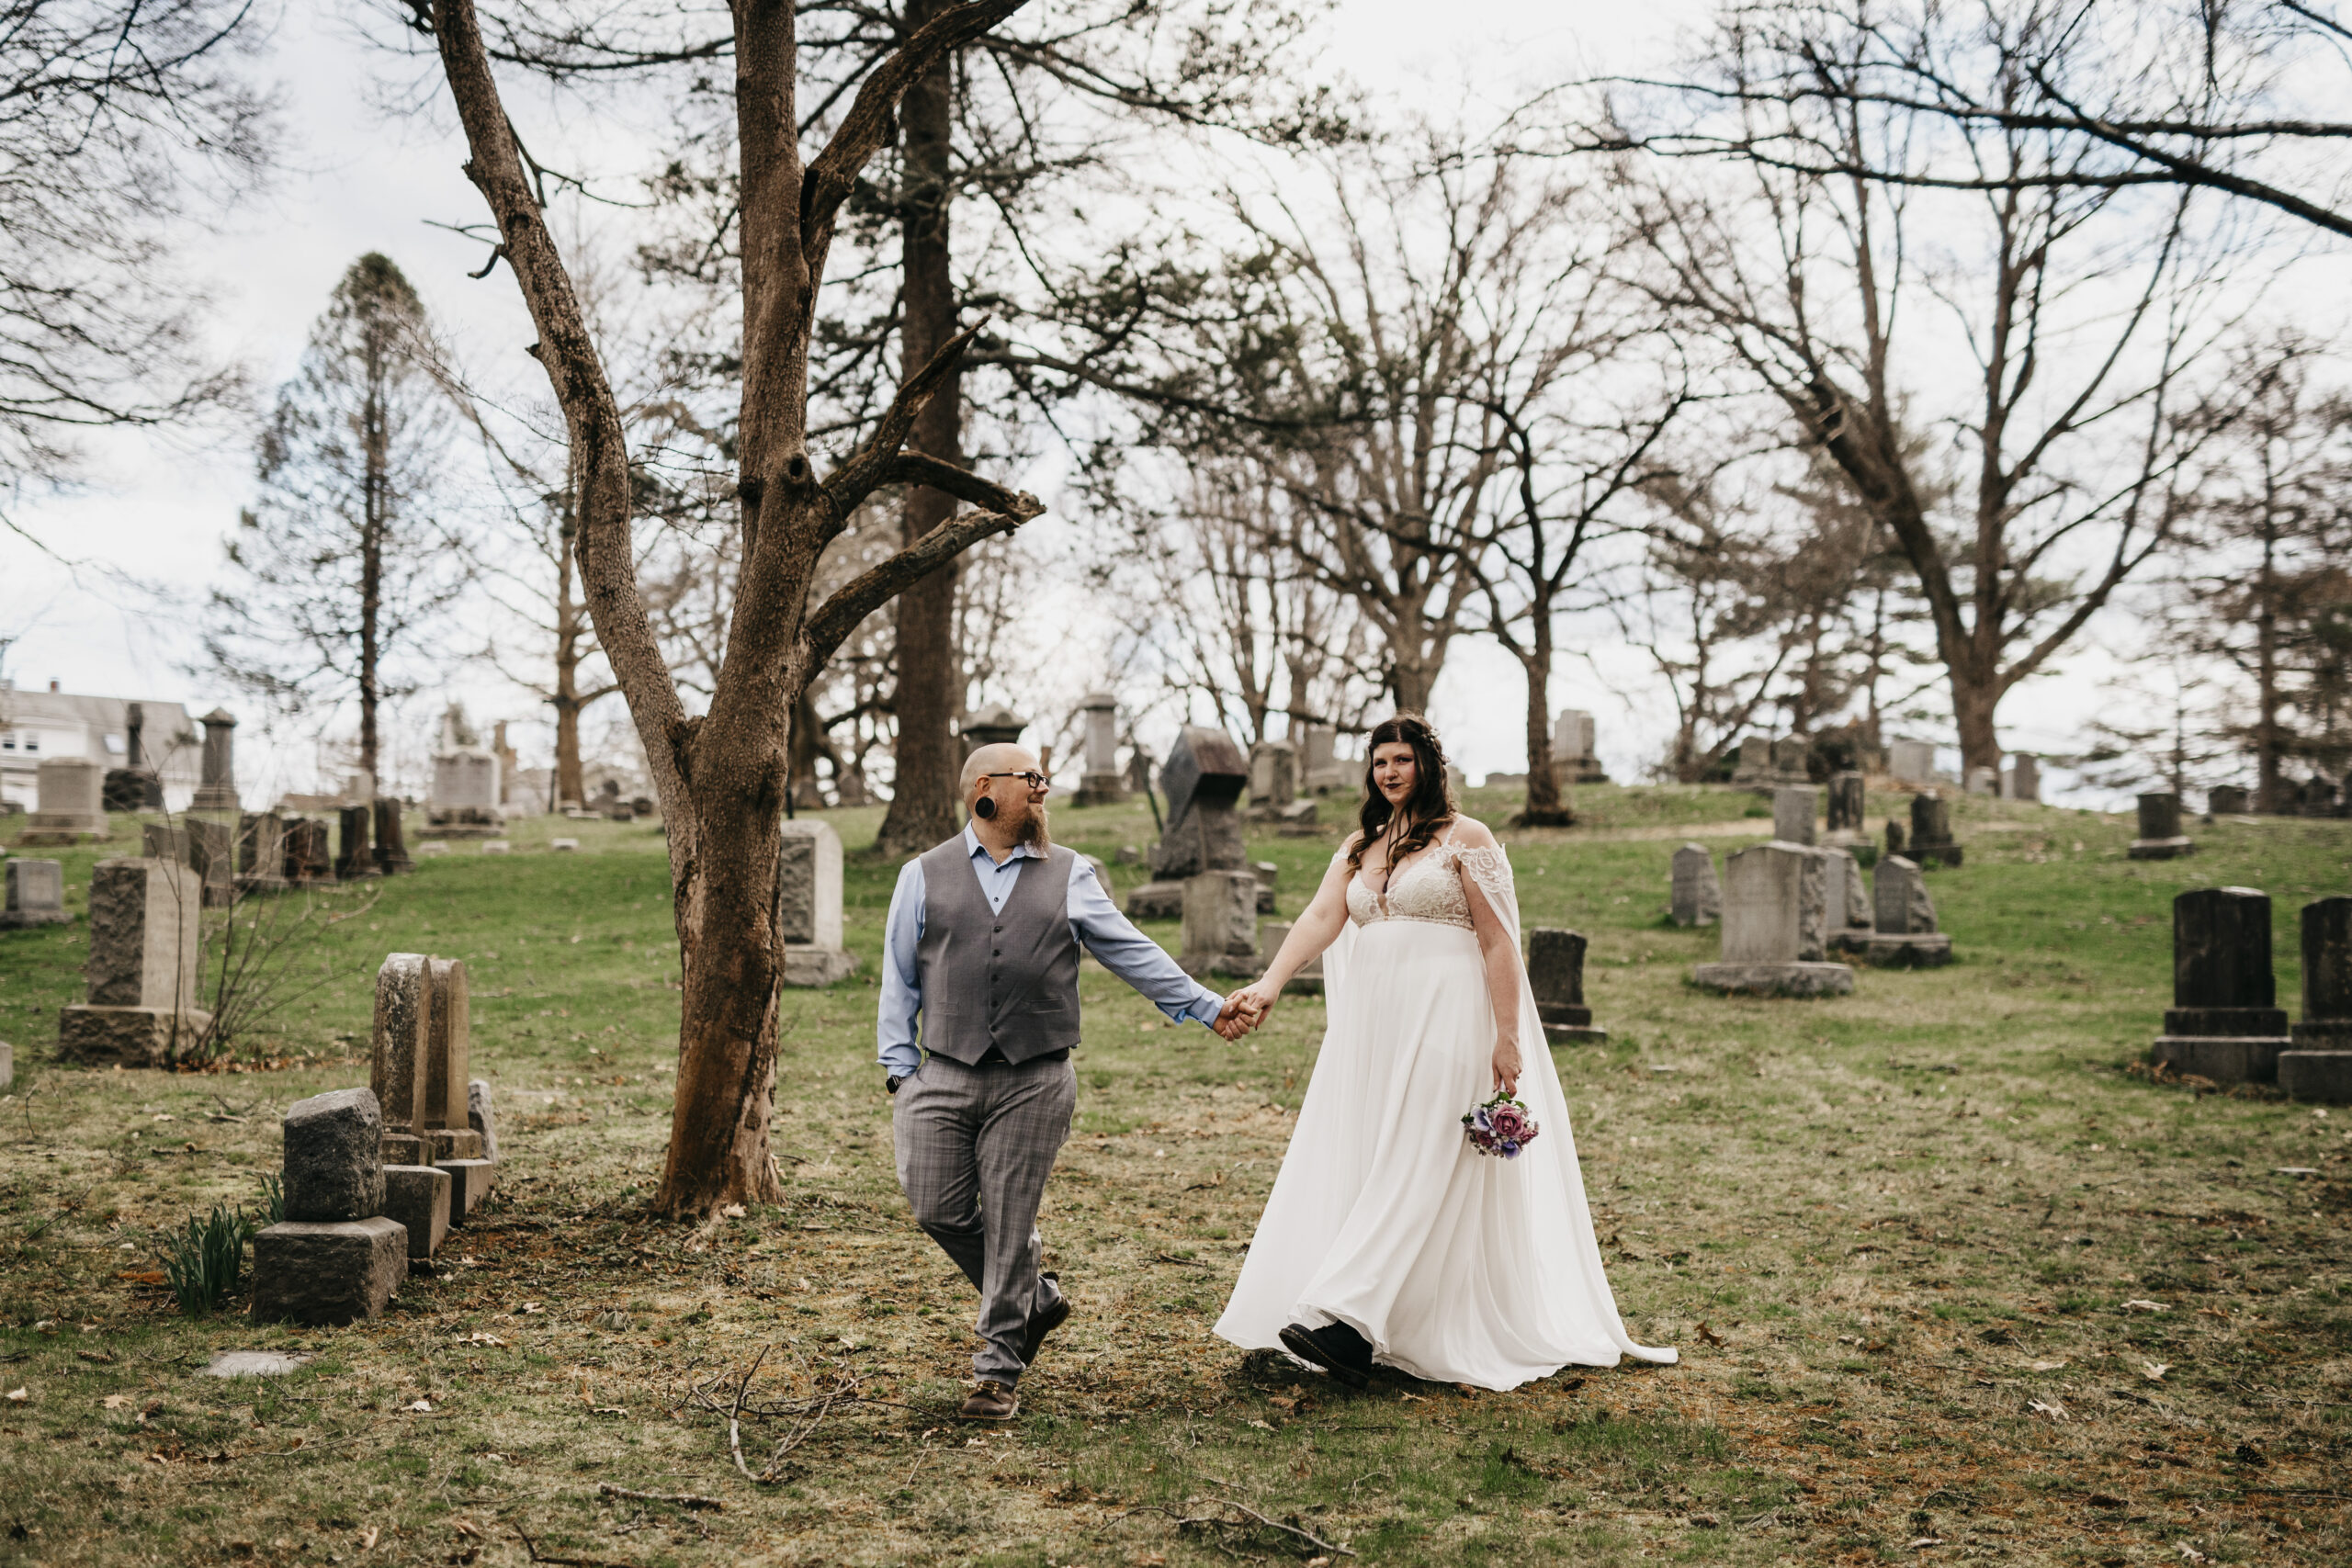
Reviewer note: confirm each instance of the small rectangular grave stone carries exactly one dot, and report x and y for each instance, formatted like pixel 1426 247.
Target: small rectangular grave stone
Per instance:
pixel 418 1197
pixel 808 904
pixel 2224 1023
pixel 70 803
pixel 144 984
pixel 2227 800
pixel 356 858
pixel 2160 835
pixel 448 1035
pixel 1308 981
pixel 396 1059
pixel 36 894
pixel 1099 783
pixel 323 1275
pixel 2319 1067
pixel 1792 808
pixel 1221 925
pixel 561 846
pixel 1846 804
pixel 481 1114
pixel 1555 976
pixel 310 853
pixel 469 1183
pixel 261 851
pixel 334 1156
pixel 1911 762
pixel 1930 841
pixel 1904 935
pixel 496 846
pixel 392 838
pixel 1697 896
pixel 1774 925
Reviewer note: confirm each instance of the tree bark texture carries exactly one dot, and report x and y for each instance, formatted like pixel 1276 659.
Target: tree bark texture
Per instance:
pixel 720 776
pixel 929 675
pixel 375 518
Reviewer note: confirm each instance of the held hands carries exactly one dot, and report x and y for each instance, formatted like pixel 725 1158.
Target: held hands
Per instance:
pixel 1507 1065
pixel 1245 1010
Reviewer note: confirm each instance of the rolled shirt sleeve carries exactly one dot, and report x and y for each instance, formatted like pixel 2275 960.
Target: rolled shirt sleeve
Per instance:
pixel 1127 951
pixel 894 1028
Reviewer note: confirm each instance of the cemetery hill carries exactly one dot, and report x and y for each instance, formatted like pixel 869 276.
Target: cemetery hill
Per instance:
pixel 1958 1266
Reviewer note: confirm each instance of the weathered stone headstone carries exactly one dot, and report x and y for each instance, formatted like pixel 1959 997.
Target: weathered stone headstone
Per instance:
pixel 1894 837
pixel 1793 814
pixel 334 1156
pixel 392 843
pixel 70 803
pixel 36 894
pixel 206 847
pixel 261 851
pixel 356 859
pixel 469 1183
pixel 2319 1067
pixel 1319 768
pixel 1575 748
pixel 998 726
pixel 2022 780
pixel 1984 780
pixel 1308 981
pixel 469 780
pixel 131 789
pixel 1904 935
pixel 448 1058
pixel 328 1273
pixel 1555 974
pixel 2160 835
pixel 217 788
pixel 481 1114
pixel 2224 1023
pixel 309 851
pixel 396 1054
pixel 2227 800
pixel 808 904
pixel 1698 897
pixel 418 1197
pixel 1911 762
pixel 1846 804
pixel 1775 926
pixel 1274 773
pixel 1203 778
pixel 1932 840
pixel 1221 925
pixel 144 987
pixel 1098 782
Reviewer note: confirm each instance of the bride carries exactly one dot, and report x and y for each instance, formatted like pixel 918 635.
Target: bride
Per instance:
pixel 1387 1237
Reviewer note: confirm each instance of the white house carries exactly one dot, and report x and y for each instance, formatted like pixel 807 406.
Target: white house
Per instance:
pixel 37 725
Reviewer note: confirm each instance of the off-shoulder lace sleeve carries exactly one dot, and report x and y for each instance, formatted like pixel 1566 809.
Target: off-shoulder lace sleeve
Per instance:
pixel 1490 869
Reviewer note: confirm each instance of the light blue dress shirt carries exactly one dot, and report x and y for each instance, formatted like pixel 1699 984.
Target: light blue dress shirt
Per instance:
pixel 1094 921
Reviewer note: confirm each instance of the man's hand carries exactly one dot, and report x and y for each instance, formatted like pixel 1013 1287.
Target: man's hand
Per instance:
pixel 1236 1020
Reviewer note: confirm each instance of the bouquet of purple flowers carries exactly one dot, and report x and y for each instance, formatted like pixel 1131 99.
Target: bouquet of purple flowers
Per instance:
pixel 1501 1127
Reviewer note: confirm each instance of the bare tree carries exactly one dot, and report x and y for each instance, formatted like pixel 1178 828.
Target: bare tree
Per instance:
pixel 722 776
pixel 117 120
pixel 2086 316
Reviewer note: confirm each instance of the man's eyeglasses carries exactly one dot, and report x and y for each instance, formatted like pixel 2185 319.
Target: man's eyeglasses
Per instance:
pixel 1033 778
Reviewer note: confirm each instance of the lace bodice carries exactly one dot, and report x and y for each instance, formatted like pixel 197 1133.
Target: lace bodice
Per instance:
pixel 1429 889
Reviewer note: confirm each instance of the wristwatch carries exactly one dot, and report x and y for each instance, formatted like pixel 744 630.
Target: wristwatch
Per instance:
pixel 892 1082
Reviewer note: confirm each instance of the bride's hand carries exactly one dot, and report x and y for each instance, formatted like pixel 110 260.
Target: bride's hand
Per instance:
pixel 1506 1065
pixel 1256 1001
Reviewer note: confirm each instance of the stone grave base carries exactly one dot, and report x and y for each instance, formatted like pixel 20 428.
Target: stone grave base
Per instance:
pixel 2161 849
pixel 404 1148
pixel 469 1183
pixel 2323 1034
pixel 62 827
pixel 1224 966
pixel 16 920
pixel 1853 939
pixel 135 1037
pixel 418 1197
pixel 323 1274
pixel 811 965
pixel 254 882
pixel 1303 986
pixel 1933 854
pixel 1099 789
pixel 1567 1024
pixel 1927 950
pixel 2324 1075
pixel 1157 901
pixel 451 1143
pixel 2221 1058
pixel 1796 978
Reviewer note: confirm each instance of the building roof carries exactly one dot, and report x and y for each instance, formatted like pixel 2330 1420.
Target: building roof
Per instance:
pixel 101 729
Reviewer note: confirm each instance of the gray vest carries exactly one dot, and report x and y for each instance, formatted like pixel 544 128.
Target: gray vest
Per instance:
pixel 1004 979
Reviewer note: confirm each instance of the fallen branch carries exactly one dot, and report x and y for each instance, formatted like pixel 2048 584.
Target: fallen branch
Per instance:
pixel 532 1547
pixel 681 1499
pixel 1211 1521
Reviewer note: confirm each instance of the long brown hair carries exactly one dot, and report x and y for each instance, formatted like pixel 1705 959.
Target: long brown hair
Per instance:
pixel 1428 808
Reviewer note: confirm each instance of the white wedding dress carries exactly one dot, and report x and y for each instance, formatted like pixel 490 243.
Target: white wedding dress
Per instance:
pixel 1458 1267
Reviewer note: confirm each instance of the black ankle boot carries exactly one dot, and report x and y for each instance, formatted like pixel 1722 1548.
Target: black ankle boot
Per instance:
pixel 1336 1347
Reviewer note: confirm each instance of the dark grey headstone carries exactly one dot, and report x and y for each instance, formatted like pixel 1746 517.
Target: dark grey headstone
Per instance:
pixel 2327 960
pixel 1555 974
pixel 1845 803
pixel 1206 768
pixel 332 1154
pixel 2221 948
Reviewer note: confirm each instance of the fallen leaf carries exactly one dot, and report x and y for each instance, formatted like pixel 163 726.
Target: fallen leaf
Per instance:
pixel 2155 1370
pixel 18 1396
pixel 2049 1410
pixel 2047 1366
pixel 368 1539
pixel 2145 1306
pixel 2190 1554
pixel 1709 1334
pixel 1254 1421
pixel 423 1406
pixel 732 1211
pixel 530 1306
pixel 117 1401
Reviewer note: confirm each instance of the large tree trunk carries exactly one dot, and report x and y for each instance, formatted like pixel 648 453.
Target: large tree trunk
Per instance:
pixel 2271 787
pixel 569 617
pixel 375 509
pixel 1973 699
pixel 1545 806
pixel 929 762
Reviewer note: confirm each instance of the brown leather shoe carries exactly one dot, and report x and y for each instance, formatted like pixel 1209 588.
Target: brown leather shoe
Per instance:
pixel 1044 1323
pixel 993 1401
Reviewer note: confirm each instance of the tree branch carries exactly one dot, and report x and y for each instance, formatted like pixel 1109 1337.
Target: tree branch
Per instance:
pixel 832 621
pixel 864 468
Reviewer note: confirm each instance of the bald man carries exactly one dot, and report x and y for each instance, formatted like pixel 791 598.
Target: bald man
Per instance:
pixel 982 945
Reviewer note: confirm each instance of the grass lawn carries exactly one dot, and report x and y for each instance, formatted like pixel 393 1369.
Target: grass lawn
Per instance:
pixel 1949 1282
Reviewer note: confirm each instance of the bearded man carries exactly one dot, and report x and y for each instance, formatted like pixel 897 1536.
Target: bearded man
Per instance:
pixel 982 945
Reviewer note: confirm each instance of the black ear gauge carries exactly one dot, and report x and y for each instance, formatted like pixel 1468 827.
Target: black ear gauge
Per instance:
pixel 984 807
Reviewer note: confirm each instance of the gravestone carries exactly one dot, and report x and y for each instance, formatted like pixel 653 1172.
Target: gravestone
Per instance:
pixel 144 984
pixel 1894 837
pixel 397 1051
pixel 36 894
pixel 1308 981
pixel 1320 772
pixel 1098 782
pixel 418 1197
pixel 357 860
pixel 808 904
pixel 2227 800
pixel 2224 1023
pixel 131 789
pixel 1792 807
pixel 1575 748
pixel 336 1258
pixel 309 851
pixel 1775 935
pixel 998 726
pixel 70 805
pixel 501 846
pixel 1203 778
pixel 2319 1067
pixel 1983 779
pixel 464 802
pixel 261 851
pixel 1221 925
pixel 1555 974
pixel 1697 896
pixel 8 1066
pixel 2022 780
pixel 1904 935
pixel 1846 805
pixel 1930 841
pixel 218 790
pixel 563 846
pixel 1274 773
pixel 433 849
pixel 202 845
pixel 448 1049
pixel 392 843
pixel 1267 874
pixel 2160 835
pixel 1911 762
pixel 481 1114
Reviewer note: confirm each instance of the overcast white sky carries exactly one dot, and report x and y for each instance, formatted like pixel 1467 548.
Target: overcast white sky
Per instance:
pixel 158 508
